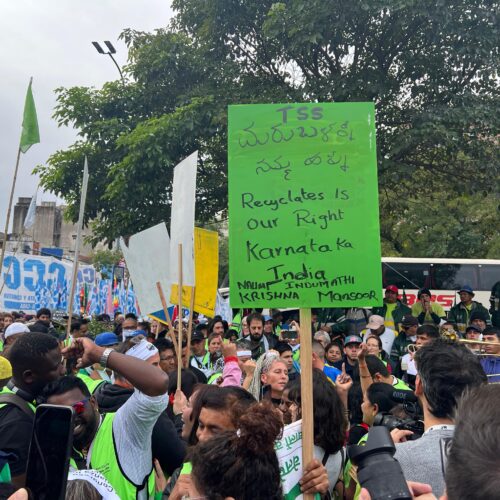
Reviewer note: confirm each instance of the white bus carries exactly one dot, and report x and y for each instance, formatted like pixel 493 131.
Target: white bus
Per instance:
pixel 443 277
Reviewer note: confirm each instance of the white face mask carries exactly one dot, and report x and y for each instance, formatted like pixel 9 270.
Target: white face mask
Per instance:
pixel 126 334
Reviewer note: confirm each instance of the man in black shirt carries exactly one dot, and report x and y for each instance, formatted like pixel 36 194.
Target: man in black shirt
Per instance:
pixel 36 361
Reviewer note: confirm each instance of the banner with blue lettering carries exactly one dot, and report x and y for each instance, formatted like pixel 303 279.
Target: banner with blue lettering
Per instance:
pixel 33 281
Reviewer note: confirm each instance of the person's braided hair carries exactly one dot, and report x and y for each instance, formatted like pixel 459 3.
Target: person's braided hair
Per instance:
pixel 241 464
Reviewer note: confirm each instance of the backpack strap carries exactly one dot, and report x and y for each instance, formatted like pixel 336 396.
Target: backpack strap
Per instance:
pixel 18 402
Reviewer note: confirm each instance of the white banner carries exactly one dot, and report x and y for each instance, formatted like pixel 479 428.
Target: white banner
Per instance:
pixel 289 453
pixel 147 257
pixel 182 220
pixel 32 280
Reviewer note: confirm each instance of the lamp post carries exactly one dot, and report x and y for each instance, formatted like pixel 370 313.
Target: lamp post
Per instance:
pixel 110 52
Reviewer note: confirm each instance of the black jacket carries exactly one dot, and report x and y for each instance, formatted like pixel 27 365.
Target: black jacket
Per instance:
pixel 167 446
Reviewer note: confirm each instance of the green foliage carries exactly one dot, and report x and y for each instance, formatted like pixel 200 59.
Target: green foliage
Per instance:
pixel 104 260
pixel 97 327
pixel 430 67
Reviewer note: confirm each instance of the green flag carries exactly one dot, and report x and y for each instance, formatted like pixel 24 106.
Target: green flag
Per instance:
pixel 30 134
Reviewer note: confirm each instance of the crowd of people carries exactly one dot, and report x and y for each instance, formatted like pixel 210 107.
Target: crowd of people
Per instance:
pixel 214 436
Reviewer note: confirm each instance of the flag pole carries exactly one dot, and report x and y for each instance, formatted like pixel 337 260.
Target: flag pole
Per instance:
pixel 83 197
pixel 29 136
pixel 7 220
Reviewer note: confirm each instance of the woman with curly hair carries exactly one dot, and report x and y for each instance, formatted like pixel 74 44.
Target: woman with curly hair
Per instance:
pixel 241 465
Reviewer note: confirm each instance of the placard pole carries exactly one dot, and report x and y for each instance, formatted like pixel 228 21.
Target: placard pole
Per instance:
pixel 306 389
pixel 179 324
pixel 164 305
pixel 190 323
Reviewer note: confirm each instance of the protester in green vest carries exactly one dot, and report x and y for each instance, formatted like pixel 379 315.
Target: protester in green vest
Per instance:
pixel 380 373
pixel 36 361
pixel 119 444
pixel 460 314
pixel 393 309
pixel 201 357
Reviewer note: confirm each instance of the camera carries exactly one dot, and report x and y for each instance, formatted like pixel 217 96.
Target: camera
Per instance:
pixel 378 471
pixel 411 407
pixel 391 422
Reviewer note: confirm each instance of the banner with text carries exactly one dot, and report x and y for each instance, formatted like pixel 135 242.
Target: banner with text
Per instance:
pixel 303 206
pixel 33 281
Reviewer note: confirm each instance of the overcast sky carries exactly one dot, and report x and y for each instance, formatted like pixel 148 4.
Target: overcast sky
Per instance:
pixel 50 40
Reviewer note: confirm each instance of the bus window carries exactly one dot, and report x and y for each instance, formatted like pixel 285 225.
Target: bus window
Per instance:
pixel 489 274
pixel 405 275
pixel 453 276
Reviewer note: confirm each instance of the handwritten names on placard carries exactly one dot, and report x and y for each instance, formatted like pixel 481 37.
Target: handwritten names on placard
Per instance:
pixel 303 206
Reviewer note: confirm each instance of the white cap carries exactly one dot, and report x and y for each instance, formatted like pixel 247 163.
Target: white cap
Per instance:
pixel 15 328
pixel 375 321
pixel 97 480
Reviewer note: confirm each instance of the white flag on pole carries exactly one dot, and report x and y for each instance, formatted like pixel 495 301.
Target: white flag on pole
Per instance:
pixel 29 220
pixel 182 219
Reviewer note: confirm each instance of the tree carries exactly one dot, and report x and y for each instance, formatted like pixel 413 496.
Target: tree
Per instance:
pixel 104 261
pixel 430 67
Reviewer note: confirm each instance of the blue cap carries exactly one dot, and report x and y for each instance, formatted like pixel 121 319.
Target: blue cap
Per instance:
pixel 106 339
pixel 467 289
pixel 267 317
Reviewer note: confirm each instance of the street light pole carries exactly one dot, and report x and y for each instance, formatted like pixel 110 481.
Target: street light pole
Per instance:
pixel 110 52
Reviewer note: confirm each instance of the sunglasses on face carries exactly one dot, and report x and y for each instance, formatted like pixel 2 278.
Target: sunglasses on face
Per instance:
pixel 79 406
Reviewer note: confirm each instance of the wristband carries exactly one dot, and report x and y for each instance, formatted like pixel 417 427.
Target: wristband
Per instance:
pixel 103 361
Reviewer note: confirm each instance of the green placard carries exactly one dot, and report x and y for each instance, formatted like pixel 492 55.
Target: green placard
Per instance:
pixel 303 206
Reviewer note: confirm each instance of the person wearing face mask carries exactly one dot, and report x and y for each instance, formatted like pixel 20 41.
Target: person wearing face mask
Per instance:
pixel 116 444
pixel 127 328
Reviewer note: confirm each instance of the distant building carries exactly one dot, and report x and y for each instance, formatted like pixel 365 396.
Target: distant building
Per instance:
pixel 50 230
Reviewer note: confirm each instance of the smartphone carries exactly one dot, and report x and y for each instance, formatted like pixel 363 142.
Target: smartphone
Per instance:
pixel 49 453
pixel 290 334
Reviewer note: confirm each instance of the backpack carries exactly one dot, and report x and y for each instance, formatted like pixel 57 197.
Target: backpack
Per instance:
pixel 18 402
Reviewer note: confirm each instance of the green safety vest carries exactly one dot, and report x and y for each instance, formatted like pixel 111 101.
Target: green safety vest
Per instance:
pixel 187 468
pixel 296 355
pixel 213 378
pixel 92 385
pixel 105 459
pixel 401 385
pixel 6 390
pixel 347 470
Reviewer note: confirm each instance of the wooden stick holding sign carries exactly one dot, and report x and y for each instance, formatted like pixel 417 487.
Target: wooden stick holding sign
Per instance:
pixel 306 390
pixel 179 324
pixel 190 323
pixel 165 311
